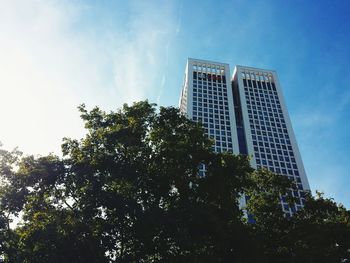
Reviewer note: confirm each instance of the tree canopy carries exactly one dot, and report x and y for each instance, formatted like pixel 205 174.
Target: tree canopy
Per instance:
pixel 130 191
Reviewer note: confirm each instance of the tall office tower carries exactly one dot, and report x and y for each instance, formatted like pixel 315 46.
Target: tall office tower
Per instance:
pixel 264 128
pixel 206 97
pixel 247 116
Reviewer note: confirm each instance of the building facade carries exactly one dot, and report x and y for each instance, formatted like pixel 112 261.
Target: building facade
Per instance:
pixel 246 115
pixel 206 97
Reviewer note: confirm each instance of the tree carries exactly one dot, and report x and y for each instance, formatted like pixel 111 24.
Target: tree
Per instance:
pixel 320 232
pixel 130 191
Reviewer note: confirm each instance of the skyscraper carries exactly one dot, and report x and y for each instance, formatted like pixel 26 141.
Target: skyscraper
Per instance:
pixel 207 97
pixel 247 115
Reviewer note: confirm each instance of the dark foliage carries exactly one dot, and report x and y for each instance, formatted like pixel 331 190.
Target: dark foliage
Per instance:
pixel 130 192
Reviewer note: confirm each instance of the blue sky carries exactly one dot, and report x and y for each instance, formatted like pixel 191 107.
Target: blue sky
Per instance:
pixel 58 54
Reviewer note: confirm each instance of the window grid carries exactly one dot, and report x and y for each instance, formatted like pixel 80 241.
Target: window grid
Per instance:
pixel 271 141
pixel 210 106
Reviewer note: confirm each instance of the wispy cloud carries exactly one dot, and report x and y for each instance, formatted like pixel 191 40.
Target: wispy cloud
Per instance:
pixel 314 119
pixel 140 60
pixel 179 18
pixel 36 75
pixel 50 64
pixel 321 141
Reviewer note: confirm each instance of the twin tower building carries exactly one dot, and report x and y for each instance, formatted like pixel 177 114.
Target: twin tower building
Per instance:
pixel 245 114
